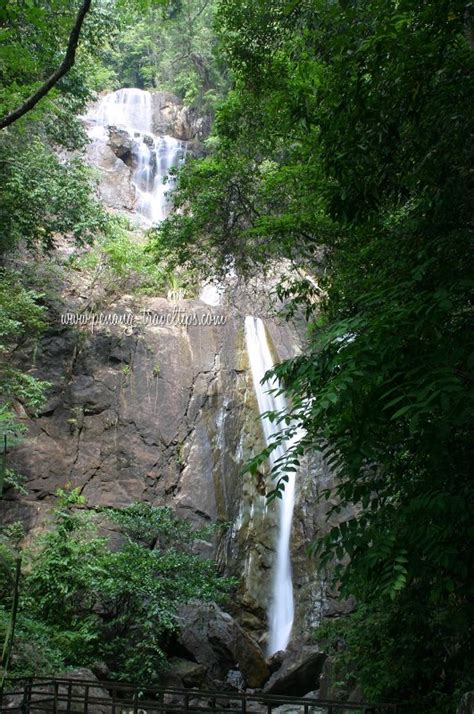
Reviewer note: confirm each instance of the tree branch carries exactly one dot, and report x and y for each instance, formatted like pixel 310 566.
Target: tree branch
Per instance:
pixel 65 66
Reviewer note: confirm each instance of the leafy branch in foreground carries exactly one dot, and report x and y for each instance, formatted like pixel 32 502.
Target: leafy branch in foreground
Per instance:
pixel 64 67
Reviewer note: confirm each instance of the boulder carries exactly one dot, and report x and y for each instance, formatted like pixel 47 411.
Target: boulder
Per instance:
pixel 121 144
pixel 182 122
pixel 216 640
pixel 467 704
pixel 79 690
pixel 183 673
pixel 276 660
pixel 300 709
pixel 189 126
pixel 299 673
pixel 115 186
pixel 235 680
pixel 165 106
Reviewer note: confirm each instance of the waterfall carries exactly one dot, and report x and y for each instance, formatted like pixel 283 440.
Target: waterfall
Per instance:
pixel 212 294
pixel 281 610
pixel 129 108
pixel 152 156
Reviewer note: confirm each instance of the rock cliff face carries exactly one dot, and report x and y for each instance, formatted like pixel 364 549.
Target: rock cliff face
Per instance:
pixel 164 414
pixel 168 415
pixel 115 186
pixel 181 122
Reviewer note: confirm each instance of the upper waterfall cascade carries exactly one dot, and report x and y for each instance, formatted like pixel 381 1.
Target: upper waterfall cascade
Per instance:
pixel 153 156
pixel 281 610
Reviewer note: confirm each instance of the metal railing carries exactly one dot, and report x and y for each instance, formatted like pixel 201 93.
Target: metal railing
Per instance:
pixel 75 696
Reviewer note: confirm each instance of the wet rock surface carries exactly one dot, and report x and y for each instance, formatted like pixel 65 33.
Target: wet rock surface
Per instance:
pixel 114 185
pixel 299 673
pixel 181 122
pixel 143 416
pixel 184 674
pixel 218 642
pixel 168 415
pixel 121 144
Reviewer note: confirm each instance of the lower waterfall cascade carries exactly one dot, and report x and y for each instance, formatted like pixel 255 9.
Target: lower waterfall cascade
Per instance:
pixel 281 609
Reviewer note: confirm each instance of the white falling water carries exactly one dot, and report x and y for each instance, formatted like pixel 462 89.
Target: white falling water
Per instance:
pixel 152 156
pixel 129 108
pixel 281 610
pixel 212 294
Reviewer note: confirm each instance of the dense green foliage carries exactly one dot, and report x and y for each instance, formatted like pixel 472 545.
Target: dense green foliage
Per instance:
pixel 46 189
pixel 171 48
pixel 44 197
pixel 33 41
pixel 344 148
pixel 119 263
pixel 117 605
pixel 21 319
pixel 33 45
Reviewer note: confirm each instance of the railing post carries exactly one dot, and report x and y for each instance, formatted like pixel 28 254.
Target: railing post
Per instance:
pixel 86 699
pixel 26 696
pixel 55 697
pixel 244 705
pixel 30 694
pixel 23 701
pixel 69 693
